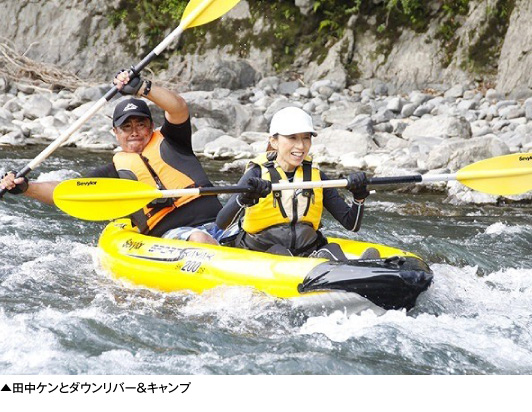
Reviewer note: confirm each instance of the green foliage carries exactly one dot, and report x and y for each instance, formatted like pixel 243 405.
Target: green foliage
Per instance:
pixel 331 4
pixel 116 17
pixel 484 54
pixel 173 8
pixel 409 13
pixel 410 8
pixel 455 7
pixel 451 22
pixel 333 15
pixel 330 25
pixel 294 33
pixel 155 16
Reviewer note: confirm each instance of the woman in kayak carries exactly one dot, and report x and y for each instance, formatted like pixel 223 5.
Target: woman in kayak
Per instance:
pixel 289 220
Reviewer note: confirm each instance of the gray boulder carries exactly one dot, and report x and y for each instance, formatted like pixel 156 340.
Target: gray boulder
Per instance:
pixel 443 126
pixel 203 136
pixel 37 106
pixel 340 142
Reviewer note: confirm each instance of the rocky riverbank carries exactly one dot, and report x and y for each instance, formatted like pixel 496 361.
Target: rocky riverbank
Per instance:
pixel 358 128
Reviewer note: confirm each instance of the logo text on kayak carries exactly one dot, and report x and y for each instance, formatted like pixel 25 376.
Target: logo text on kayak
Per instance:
pixel 133 244
pixel 89 183
pixel 525 158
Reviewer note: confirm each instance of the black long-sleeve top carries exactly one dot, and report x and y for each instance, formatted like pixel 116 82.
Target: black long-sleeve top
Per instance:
pixel 200 210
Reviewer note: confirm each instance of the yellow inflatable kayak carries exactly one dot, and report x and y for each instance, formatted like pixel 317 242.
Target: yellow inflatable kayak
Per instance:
pixel 394 281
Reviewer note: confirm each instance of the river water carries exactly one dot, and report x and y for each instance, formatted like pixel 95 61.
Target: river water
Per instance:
pixel 59 314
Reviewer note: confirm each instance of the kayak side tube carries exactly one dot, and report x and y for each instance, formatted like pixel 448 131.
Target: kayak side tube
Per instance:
pixel 391 283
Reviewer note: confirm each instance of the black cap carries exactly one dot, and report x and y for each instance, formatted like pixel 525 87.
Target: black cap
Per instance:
pixel 130 107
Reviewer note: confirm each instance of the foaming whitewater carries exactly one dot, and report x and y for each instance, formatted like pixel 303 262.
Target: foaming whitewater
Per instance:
pixel 464 324
pixel 61 314
pixel 500 228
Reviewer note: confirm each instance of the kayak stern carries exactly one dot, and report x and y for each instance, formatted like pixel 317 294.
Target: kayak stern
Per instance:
pixel 391 283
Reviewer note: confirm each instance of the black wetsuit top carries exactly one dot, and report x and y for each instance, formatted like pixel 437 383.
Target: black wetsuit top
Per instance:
pixel 198 211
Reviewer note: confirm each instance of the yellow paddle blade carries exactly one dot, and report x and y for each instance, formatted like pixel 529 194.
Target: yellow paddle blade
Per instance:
pixel 102 199
pixel 204 11
pixel 502 175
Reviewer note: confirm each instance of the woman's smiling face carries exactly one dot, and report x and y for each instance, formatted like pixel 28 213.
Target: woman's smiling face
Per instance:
pixel 291 149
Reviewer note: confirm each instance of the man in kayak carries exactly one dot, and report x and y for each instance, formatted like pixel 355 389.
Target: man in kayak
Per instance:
pixel 289 221
pixel 163 158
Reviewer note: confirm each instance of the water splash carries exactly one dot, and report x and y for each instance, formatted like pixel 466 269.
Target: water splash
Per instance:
pixel 500 228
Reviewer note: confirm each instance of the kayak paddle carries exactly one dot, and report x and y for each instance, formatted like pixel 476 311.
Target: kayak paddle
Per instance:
pixel 502 175
pixel 196 13
pixel 106 199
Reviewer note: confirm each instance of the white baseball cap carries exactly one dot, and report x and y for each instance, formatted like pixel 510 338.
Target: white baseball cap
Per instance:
pixel 291 120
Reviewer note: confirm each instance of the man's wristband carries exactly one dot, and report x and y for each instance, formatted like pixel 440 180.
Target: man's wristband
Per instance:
pixel 147 87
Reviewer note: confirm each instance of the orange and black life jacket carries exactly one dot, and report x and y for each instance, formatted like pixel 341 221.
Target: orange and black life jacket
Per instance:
pixel 150 167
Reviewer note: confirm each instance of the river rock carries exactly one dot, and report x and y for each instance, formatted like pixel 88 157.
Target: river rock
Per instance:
pixel 288 88
pixel 340 142
pixel 303 92
pixel 480 128
pixel 12 105
pixel 4 84
pixel 408 109
pixel 226 147
pixel 389 141
pixel 465 105
pixel 455 91
pixel 230 74
pixel 416 97
pixel 7 126
pixel 362 123
pixel 13 138
pixel 359 128
pixel 37 106
pixel 252 137
pixel 439 126
pixel 395 104
pixel 203 136
pixel 321 155
pixel 493 95
pixel 421 147
pixel 345 113
pixel 423 109
pixel 383 115
pixel 91 94
pixel 304 5
pixel 399 125
pixel 456 153
pixel 353 161
pixel 269 84
pixel 512 112
pixel 459 194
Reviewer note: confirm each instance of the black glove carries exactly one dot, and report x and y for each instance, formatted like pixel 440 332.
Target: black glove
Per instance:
pixel 20 188
pixel 357 184
pixel 257 188
pixel 133 86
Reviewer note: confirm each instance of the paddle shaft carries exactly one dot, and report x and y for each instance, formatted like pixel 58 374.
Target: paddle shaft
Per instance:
pixel 216 190
pixel 464 177
pixel 111 93
pixel 338 183
pixel 152 194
